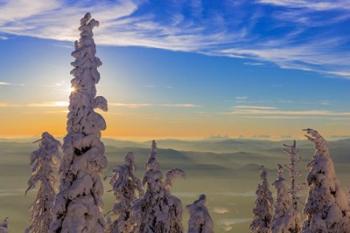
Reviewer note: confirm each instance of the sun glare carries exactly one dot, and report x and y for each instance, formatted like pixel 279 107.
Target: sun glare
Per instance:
pixel 61 104
pixel 72 89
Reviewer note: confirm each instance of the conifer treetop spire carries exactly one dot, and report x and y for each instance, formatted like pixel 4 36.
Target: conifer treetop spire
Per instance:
pixel 152 163
pixel 319 142
pixel 127 189
pixel 158 211
pixel 44 162
pixel 200 220
pixel 263 206
pixel 78 205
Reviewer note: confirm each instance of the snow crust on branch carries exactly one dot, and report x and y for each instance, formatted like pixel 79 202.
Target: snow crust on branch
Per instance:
pixel 44 162
pixel 79 201
pixel 127 188
pixel 327 207
pixel 200 220
pixel 263 206
pixel 158 211
pixel 4 226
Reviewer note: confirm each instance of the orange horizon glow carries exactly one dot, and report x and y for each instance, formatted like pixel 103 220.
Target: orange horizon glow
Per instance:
pixel 124 124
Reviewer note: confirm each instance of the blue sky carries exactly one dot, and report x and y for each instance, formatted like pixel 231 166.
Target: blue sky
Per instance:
pixel 256 63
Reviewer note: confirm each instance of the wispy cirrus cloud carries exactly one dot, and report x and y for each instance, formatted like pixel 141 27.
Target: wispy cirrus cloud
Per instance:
pixel 143 105
pixel 269 112
pixel 8 84
pixel 303 35
pixel 318 5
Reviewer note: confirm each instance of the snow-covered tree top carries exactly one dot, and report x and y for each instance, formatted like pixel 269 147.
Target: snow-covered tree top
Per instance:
pixel 319 142
pixel 290 149
pixel 280 177
pixel 124 182
pixel 158 211
pixel 263 206
pixel 44 161
pixel 152 163
pixel 200 220
pixel 127 189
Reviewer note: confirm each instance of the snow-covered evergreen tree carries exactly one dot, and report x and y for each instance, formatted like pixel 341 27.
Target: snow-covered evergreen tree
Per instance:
pixel 200 220
pixel 263 206
pixel 4 226
pixel 284 218
pixel 44 162
pixel 294 187
pixel 158 211
pixel 78 203
pixel 327 207
pixel 127 188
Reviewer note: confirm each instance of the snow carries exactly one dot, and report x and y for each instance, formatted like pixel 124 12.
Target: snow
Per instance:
pixel 79 201
pixel 285 219
pixel 158 211
pixel 44 162
pixel 200 220
pixel 263 207
pixel 327 207
pixel 127 189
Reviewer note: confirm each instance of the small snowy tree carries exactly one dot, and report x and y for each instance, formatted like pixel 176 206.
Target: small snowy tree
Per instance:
pixel 294 187
pixel 284 216
pixel 200 220
pixel 78 203
pixel 158 211
pixel 44 162
pixel 4 226
pixel 327 207
pixel 127 188
pixel 263 207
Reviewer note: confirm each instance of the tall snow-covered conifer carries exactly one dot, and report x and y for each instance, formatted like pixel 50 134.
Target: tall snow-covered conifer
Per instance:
pixel 263 207
pixel 158 211
pixel 44 162
pixel 127 188
pixel 78 203
pixel 327 207
pixel 200 220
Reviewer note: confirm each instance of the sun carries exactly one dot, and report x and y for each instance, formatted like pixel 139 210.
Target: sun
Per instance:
pixel 72 89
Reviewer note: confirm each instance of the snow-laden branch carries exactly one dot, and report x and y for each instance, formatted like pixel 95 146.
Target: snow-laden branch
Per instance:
pixel 44 162
pixel 158 211
pixel 327 207
pixel 127 188
pixel 263 206
pixel 78 203
pixel 200 220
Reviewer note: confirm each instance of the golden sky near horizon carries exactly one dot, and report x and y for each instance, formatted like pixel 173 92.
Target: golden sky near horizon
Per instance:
pixel 138 123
